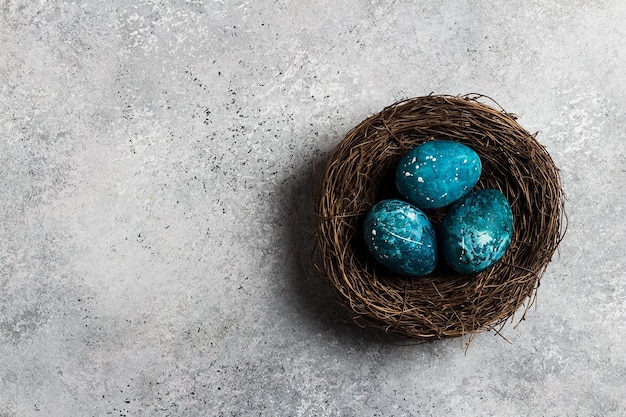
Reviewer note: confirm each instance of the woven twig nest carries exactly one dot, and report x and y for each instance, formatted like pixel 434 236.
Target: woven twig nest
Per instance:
pixel 360 172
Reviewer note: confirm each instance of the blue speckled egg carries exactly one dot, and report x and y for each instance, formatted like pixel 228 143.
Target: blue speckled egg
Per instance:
pixel 435 174
pixel 476 231
pixel 401 237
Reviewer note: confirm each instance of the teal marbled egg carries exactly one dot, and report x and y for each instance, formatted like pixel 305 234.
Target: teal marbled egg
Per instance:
pixel 435 174
pixel 476 231
pixel 401 237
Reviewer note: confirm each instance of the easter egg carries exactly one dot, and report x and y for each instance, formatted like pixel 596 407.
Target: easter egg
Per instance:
pixel 401 237
pixel 435 174
pixel 476 231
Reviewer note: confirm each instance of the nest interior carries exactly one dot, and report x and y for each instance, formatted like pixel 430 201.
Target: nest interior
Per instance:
pixel 359 173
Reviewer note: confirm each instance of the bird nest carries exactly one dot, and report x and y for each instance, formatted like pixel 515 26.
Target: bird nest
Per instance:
pixel 360 172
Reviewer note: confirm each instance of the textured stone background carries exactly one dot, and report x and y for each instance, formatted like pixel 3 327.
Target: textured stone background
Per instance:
pixel 156 164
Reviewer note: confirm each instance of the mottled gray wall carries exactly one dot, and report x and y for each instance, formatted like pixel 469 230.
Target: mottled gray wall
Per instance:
pixel 156 169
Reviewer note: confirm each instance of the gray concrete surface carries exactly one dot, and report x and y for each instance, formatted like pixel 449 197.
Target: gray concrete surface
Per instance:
pixel 156 164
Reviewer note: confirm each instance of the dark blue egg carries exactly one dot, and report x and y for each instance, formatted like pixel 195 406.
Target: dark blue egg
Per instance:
pixel 437 173
pixel 401 237
pixel 476 231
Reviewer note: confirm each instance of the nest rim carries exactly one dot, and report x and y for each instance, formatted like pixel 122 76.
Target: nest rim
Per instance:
pixel 444 304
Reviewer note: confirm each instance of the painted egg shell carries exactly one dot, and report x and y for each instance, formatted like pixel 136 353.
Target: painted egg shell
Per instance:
pixel 437 173
pixel 401 237
pixel 476 231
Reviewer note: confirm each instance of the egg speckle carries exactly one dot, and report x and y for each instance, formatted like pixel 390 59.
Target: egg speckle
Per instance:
pixel 476 231
pixel 447 171
pixel 401 237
